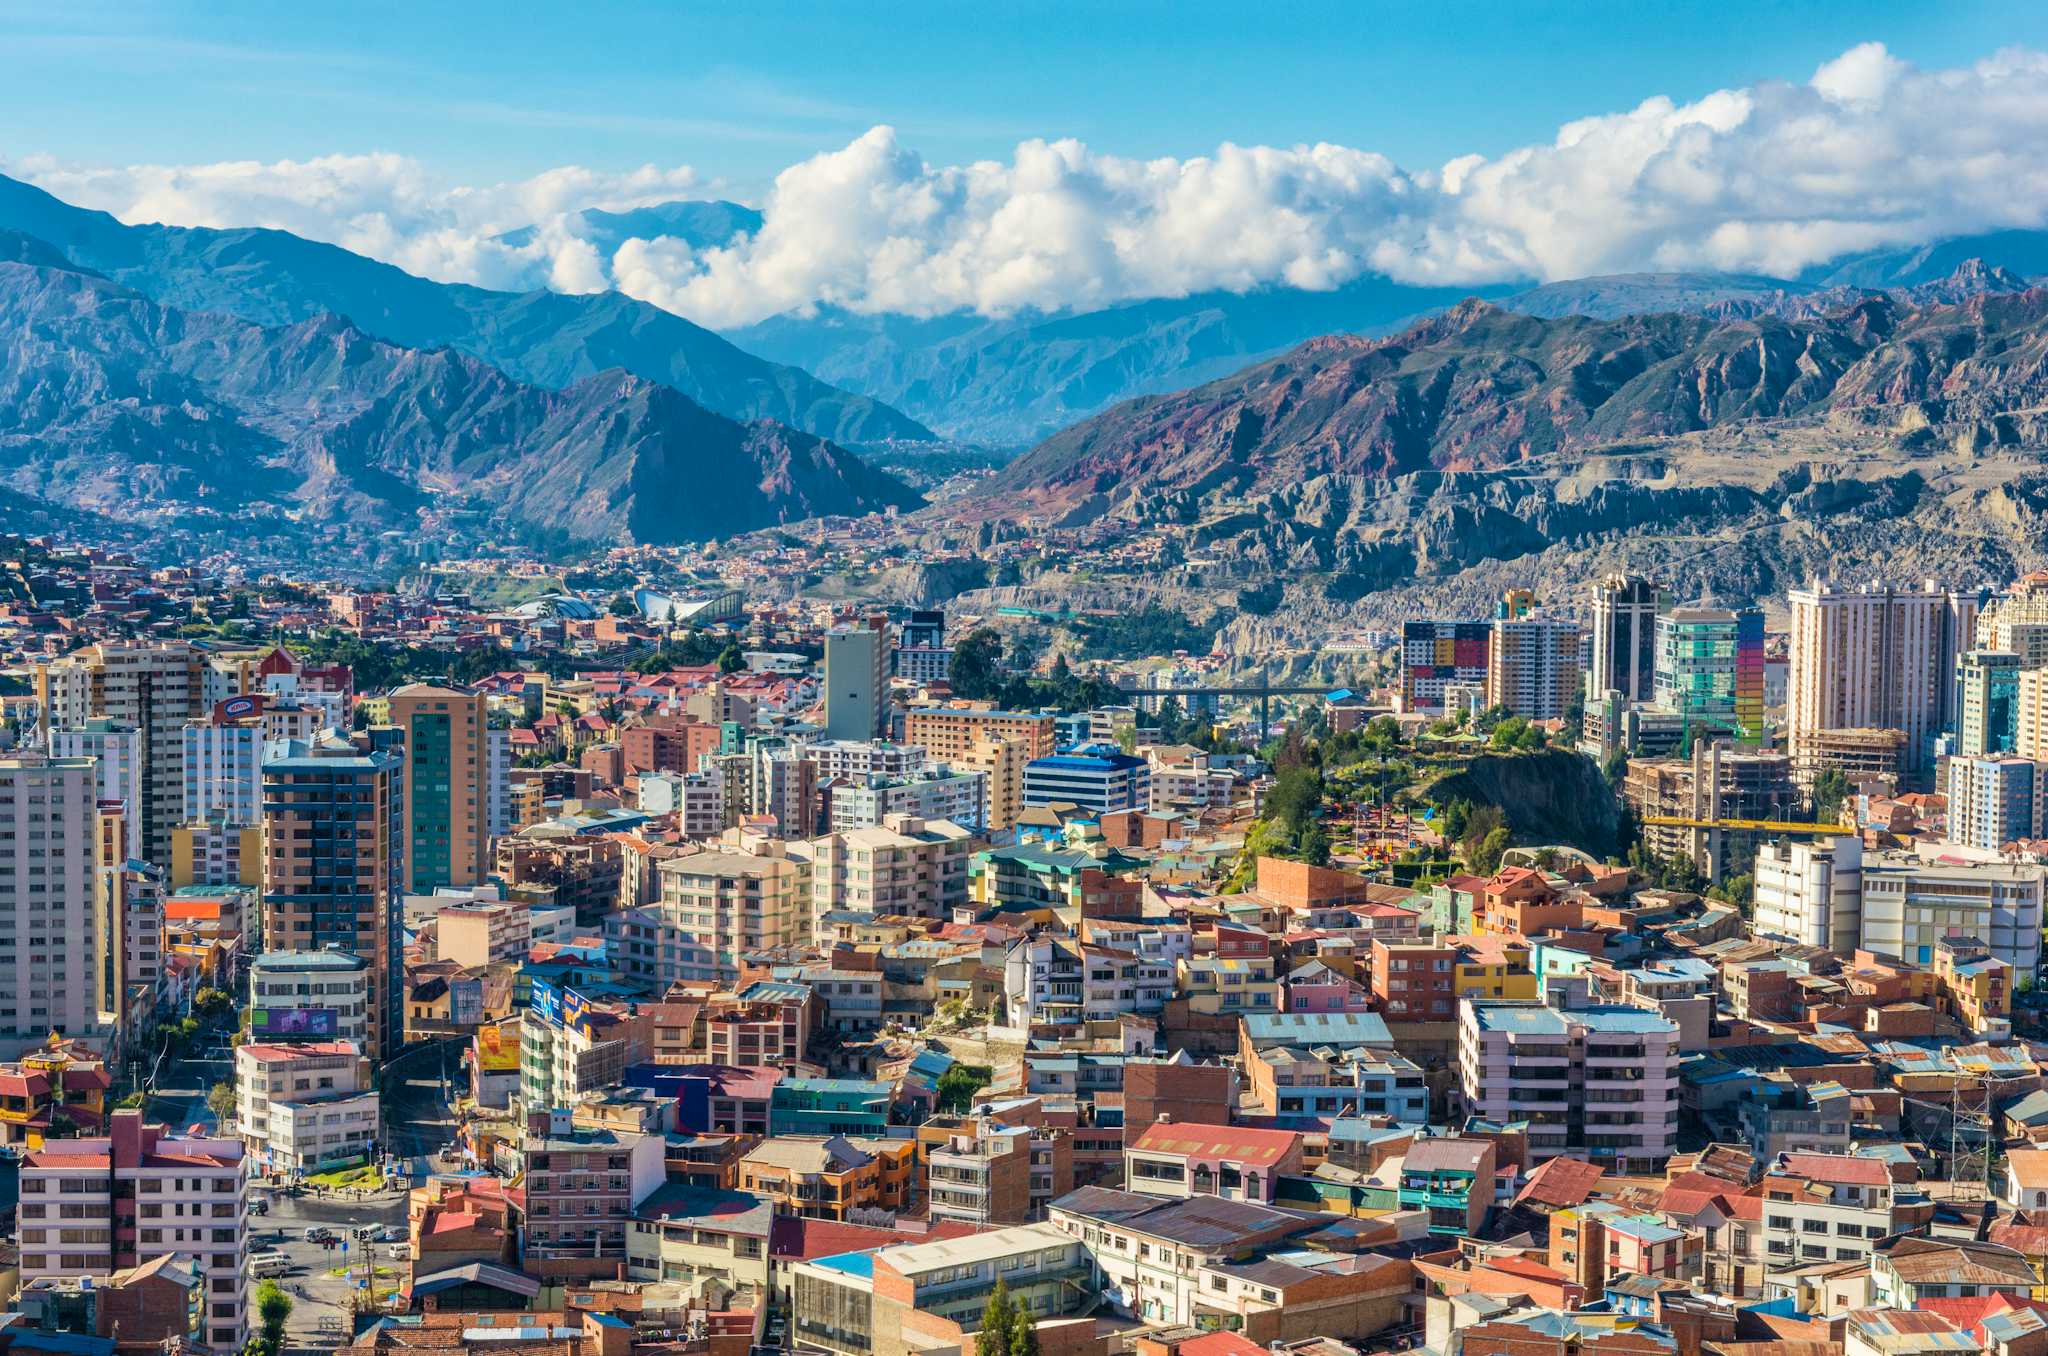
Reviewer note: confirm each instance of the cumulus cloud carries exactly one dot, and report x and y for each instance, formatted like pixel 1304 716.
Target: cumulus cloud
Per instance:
pixel 385 206
pixel 1770 178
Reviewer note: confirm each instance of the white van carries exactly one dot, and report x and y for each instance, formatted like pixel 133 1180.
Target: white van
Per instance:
pixel 269 1264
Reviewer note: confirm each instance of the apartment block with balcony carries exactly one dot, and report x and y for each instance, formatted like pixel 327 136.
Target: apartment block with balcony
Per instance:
pixel 978 1172
pixel 301 1108
pixel 92 1207
pixel 1821 1207
pixel 1451 1179
pixel 906 866
pixel 1599 1082
pixel 579 1189
pixel 830 1176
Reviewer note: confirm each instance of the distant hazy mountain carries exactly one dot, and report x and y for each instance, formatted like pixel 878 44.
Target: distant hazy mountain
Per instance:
pixel 275 278
pixel 115 404
pixel 1481 388
pixel 1008 382
pixel 700 225
pixel 1620 294
pixel 2024 253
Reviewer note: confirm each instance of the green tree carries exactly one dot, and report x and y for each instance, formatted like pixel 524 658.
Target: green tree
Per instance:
pixel 957 1086
pixel 997 1323
pixel 1681 872
pixel 1296 796
pixel 622 606
pixel 730 660
pixel 1738 889
pixel 1265 838
pixel 1485 859
pixel 1480 823
pixel 1023 1331
pixel 976 670
pixel 1830 789
pixel 220 1100
pixel 273 1311
pixel 212 1003
pixel 1315 846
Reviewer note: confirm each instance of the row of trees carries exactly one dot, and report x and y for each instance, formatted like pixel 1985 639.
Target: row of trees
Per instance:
pixel 978 673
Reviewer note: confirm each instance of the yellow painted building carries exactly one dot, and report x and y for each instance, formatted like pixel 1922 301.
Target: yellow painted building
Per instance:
pixel 1492 967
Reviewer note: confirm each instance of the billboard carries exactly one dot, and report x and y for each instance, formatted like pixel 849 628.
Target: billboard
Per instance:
pixel 238 707
pixel 547 1002
pixel 294 1023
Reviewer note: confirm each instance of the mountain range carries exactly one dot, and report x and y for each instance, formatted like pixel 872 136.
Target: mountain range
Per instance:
pixel 1481 387
pixel 113 403
pixel 1013 382
pixel 541 338
pixel 157 373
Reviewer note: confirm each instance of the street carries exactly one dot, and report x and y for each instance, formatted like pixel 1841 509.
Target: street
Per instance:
pixel 177 1095
pixel 320 1299
pixel 418 1086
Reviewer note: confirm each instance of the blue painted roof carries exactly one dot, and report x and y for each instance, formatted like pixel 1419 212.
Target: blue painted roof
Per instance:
pixel 852 1263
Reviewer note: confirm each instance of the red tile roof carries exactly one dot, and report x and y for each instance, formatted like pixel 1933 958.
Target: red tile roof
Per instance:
pixel 1842 1168
pixel 1237 1143
pixel 1222 1344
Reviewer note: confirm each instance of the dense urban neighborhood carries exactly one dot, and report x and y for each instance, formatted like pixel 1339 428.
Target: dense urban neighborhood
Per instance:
pixel 1026 679
pixel 545 957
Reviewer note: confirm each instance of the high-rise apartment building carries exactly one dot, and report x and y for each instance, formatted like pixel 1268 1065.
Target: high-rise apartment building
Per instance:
pixel 497 783
pixel 1710 666
pixel 999 743
pixel 333 867
pixel 2030 714
pixel 1993 800
pixel 1597 1082
pixel 116 748
pixel 1532 666
pixel 1876 658
pixel 1621 654
pixel 447 784
pixel 223 769
pixel 857 664
pixel 1436 654
pixel 95 1206
pixel 154 687
pixel 53 948
pixel 1988 687
pixel 906 866
pixel 2016 621
pixel 750 894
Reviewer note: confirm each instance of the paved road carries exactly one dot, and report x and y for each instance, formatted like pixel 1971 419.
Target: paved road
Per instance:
pixel 320 1299
pixel 177 1095
pixel 419 1112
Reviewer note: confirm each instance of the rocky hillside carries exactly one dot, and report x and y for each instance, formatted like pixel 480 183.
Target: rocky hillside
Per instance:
pixel 111 403
pixel 541 338
pixel 1009 382
pixel 1480 388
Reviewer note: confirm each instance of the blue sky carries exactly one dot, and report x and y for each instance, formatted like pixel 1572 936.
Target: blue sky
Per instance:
pixel 486 92
pixel 926 158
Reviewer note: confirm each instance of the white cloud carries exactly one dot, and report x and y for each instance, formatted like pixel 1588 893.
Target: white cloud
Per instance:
pixel 1770 178
pixel 385 206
